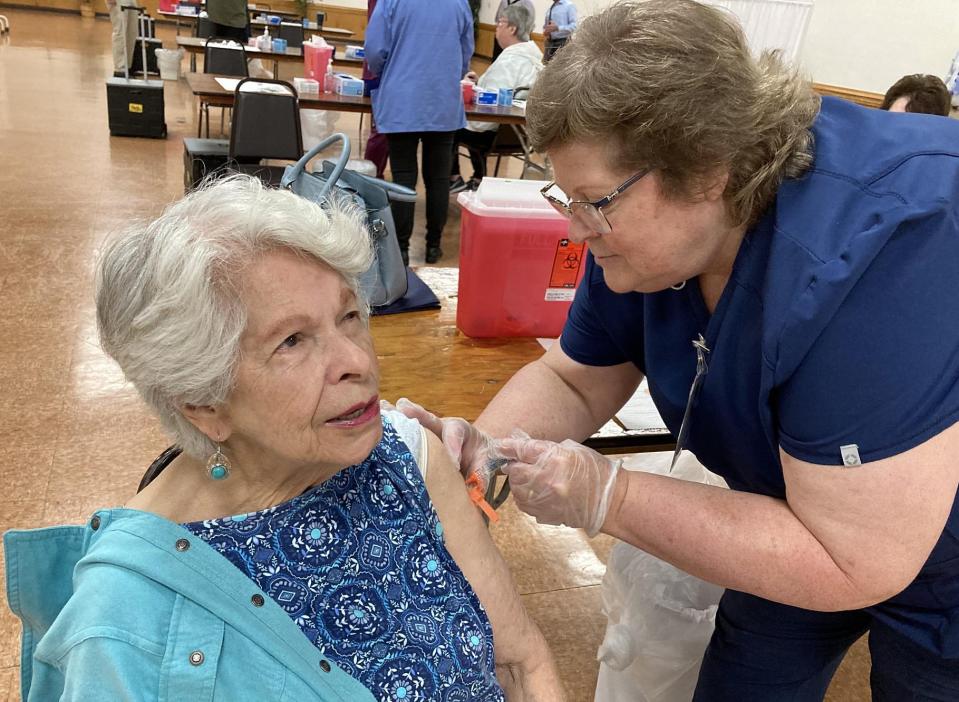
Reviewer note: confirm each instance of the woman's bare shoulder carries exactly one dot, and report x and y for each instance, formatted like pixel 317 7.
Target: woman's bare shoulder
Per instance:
pixel 519 646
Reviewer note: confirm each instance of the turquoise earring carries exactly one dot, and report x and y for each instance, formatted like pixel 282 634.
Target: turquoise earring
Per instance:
pixel 218 467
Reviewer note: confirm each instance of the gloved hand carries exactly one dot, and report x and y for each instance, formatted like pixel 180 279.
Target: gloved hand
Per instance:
pixel 469 447
pixel 563 483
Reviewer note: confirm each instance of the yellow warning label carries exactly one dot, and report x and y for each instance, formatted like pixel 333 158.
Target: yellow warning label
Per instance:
pixel 136 107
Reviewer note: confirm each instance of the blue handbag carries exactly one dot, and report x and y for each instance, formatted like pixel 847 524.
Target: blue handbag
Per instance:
pixel 385 282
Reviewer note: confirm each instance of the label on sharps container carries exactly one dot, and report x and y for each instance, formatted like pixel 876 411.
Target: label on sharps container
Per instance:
pixel 565 271
pixel 559 294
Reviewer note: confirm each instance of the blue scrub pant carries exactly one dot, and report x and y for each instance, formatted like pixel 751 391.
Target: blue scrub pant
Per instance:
pixel 767 652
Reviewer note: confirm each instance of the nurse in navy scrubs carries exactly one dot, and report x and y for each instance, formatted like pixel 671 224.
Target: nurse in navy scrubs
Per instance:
pixel 785 271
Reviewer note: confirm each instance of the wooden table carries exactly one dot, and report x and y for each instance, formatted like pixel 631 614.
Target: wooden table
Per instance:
pixel 196 45
pixel 330 33
pixel 424 357
pixel 205 86
pixel 310 28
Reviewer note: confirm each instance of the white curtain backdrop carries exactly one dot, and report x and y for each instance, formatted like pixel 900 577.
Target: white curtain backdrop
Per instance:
pixel 771 24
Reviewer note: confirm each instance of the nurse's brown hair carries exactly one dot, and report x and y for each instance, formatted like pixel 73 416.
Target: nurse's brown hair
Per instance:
pixel 671 85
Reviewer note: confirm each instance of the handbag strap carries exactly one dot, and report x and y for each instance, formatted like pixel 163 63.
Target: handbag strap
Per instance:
pixel 299 167
pixel 395 192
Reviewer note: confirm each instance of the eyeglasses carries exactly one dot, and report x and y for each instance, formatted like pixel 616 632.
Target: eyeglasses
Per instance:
pixel 590 213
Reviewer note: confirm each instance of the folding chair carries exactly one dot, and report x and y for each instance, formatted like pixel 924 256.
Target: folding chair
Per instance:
pixel 204 27
pixel 511 141
pixel 227 58
pixel 266 125
pixel 293 33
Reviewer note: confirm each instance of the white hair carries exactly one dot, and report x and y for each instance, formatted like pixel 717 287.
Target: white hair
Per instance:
pixel 168 307
pixel 519 17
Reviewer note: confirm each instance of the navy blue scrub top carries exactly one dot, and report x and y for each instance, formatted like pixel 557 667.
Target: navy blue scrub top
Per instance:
pixel 839 325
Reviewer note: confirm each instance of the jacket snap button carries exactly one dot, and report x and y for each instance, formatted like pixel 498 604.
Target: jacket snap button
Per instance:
pixel 325 666
pixel 257 600
pixel 95 522
pixel 196 658
pixel 182 545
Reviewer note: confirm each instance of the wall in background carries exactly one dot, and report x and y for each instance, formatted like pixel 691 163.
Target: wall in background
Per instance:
pixel 870 44
pixel 860 44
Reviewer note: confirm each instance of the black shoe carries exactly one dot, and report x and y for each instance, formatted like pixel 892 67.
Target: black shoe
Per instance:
pixel 405 255
pixel 473 183
pixel 458 185
pixel 433 254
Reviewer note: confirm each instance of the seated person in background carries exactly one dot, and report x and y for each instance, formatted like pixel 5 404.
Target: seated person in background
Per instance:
pixel 517 67
pixel 918 93
pixel 299 544
pixel 503 4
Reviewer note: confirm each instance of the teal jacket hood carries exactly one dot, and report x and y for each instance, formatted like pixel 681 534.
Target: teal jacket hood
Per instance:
pixel 122 579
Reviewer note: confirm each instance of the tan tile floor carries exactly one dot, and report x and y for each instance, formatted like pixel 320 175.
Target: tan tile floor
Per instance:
pixel 73 435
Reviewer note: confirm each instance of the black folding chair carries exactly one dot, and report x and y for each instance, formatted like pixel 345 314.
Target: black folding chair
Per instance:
pixel 293 33
pixel 204 28
pixel 266 125
pixel 224 57
pixel 511 141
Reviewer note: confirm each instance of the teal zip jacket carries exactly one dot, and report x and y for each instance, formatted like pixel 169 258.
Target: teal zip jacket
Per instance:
pixel 134 607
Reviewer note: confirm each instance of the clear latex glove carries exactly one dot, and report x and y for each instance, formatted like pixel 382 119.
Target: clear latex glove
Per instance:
pixel 565 483
pixel 469 447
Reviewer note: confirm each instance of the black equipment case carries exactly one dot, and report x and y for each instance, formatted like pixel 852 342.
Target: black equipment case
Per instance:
pixel 136 107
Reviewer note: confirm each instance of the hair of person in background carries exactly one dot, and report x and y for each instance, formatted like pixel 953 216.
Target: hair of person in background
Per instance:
pixel 518 16
pixel 167 299
pixel 924 93
pixel 671 85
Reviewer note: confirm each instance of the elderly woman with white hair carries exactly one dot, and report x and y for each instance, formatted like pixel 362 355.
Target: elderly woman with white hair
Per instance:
pixel 299 543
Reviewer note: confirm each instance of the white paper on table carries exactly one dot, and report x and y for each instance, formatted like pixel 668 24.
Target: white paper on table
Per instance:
pixel 521 104
pixel 640 412
pixel 271 88
pixel 228 83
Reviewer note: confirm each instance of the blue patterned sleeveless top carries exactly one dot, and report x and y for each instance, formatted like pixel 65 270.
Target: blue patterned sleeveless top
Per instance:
pixel 360 565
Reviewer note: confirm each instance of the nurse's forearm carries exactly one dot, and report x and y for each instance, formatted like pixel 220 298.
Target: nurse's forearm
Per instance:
pixel 538 401
pixel 738 540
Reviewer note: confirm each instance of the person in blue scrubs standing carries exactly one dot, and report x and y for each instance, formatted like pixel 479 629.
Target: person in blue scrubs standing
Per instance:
pixel 783 269
pixel 420 50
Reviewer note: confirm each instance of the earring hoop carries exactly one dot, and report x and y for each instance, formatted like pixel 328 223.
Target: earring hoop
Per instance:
pixel 218 466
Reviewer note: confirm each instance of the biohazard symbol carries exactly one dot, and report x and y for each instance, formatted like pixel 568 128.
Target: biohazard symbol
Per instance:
pixel 566 264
